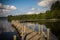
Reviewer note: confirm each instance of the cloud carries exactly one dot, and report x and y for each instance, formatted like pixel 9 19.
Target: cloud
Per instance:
pixel 37 11
pixel 33 8
pixel 6 8
pixel 44 3
pixel 0 4
pixel 30 12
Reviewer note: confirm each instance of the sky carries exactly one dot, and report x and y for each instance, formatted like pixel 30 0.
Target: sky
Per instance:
pixel 19 7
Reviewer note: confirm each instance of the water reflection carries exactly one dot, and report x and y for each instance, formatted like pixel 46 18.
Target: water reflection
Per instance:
pixel 6 27
pixel 7 31
pixel 42 27
pixel 55 27
pixel 36 25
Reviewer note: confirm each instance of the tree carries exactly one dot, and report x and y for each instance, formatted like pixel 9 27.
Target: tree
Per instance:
pixel 55 6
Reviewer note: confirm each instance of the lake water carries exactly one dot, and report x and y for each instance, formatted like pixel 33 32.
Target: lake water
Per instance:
pixel 36 26
pixel 6 30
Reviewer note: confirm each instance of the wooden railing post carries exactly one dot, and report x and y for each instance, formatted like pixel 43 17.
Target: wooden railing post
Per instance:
pixel 39 29
pixel 42 32
pixel 14 37
pixel 22 33
pixel 48 31
pixel 34 27
pixel 42 28
pixel 24 29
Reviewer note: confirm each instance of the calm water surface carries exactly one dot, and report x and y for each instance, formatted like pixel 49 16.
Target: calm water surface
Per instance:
pixel 6 30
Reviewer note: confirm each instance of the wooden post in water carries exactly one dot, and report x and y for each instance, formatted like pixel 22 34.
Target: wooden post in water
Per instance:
pixel 24 29
pixel 22 33
pixel 14 37
pixel 48 31
pixel 34 27
pixel 42 28
pixel 39 29
pixel 42 32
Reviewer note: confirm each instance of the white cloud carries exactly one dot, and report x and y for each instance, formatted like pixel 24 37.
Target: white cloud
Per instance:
pixel 43 3
pixel 9 7
pixel 51 0
pixel 30 12
pixel 36 11
pixel 33 8
pixel 0 4
pixel 6 8
pixel 13 7
pixel 46 2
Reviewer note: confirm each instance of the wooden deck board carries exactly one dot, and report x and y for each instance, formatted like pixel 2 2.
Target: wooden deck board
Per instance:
pixel 30 33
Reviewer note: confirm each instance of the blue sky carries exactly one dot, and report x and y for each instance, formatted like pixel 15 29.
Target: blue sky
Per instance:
pixel 24 7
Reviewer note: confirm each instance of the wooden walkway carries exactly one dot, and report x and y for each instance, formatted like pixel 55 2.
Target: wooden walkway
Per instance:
pixel 29 34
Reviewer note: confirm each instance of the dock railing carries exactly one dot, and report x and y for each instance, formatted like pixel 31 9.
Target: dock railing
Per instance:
pixel 40 35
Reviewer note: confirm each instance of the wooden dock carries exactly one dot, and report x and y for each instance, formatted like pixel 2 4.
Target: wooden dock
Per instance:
pixel 29 34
